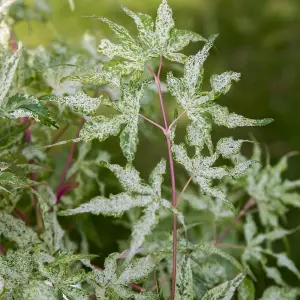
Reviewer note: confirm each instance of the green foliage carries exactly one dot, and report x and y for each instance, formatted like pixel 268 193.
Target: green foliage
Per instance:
pixel 47 233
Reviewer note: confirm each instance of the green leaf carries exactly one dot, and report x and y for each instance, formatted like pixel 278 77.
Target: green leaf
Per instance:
pixel 145 26
pixel 129 178
pixel 72 4
pixel 193 68
pixel 96 77
pixel 8 68
pixel 228 147
pixel 250 229
pixel 226 290
pixel 221 84
pixel 144 227
pixel 211 250
pixel 156 177
pixel 80 102
pixel 121 32
pixel 115 206
pixel 68 258
pixel 137 270
pixel 37 289
pixel 280 293
pixel 5 4
pixel 164 23
pixel 129 139
pixel 221 116
pixel 101 127
pixel 15 230
pixel 179 39
pixel 184 280
pixel 20 106
pixel 246 290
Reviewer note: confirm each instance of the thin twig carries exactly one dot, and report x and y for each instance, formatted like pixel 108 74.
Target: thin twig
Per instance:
pixel 244 210
pixel 233 246
pixel 67 165
pixel 57 137
pixel 185 187
pixel 152 122
pixel 2 250
pixel 137 287
pixel 175 121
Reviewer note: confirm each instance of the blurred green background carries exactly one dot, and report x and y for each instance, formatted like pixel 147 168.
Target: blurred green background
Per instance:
pixel 258 38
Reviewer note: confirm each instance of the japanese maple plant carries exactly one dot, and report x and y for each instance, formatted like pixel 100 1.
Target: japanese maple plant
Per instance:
pixel 43 90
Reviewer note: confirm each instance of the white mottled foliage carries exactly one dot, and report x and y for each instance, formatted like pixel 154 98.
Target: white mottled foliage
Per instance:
pixel 226 290
pixel 184 282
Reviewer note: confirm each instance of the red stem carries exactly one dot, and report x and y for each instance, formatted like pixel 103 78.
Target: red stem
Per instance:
pixel 152 122
pixel 2 250
pixel 172 174
pixel 244 210
pixel 67 165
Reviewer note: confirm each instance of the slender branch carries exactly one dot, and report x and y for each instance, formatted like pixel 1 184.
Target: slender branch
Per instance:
pixel 2 250
pixel 175 121
pixel 185 187
pixel 233 246
pixel 137 287
pixel 152 122
pixel 244 210
pixel 57 137
pixel 67 165
pixel 172 173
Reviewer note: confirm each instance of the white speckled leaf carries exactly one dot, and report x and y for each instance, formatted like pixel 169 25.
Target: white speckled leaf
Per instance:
pixel 192 69
pixel 226 290
pixel 179 39
pixel 250 229
pixel 79 102
pixel 222 83
pixel 246 290
pixel 115 206
pixel 4 36
pixel 129 178
pixel 222 117
pixel 143 227
pixel 121 32
pixel 39 290
pixel 15 230
pixel 280 293
pixel 228 147
pixel 164 23
pixel 5 4
pixel 137 270
pixel 156 177
pixel 101 127
pixel 96 77
pixel 7 71
pixel 184 280
pixel 129 139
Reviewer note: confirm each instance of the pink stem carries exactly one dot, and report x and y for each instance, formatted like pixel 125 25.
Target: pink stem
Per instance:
pixel 2 250
pixel 172 174
pixel 175 121
pixel 244 210
pixel 152 122
pixel 137 287
pixel 183 190
pixel 67 166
